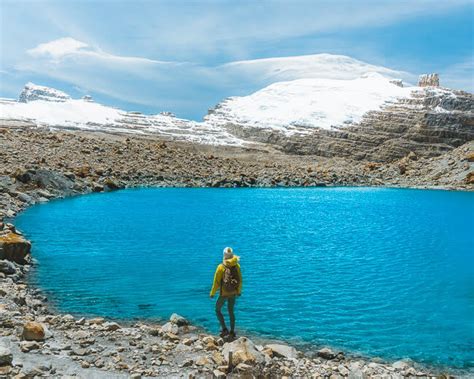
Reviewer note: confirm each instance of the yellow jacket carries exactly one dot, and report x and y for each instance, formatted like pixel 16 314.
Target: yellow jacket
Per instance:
pixel 217 285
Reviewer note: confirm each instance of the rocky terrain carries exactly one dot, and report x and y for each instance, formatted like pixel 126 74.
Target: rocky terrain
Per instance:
pixel 421 140
pixel 39 164
pixel 35 342
pixel 429 122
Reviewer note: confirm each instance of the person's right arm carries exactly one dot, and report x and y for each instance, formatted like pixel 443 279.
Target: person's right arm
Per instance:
pixel 217 281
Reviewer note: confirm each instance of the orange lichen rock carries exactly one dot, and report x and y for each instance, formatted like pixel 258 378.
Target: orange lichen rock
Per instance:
pixel 14 247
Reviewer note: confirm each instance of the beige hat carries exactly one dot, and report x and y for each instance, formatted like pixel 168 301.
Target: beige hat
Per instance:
pixel 228 253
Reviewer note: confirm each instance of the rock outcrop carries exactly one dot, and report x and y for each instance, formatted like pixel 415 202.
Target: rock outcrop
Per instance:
pixel 33 92
pixel 428 80
pixel 431 122
pixel 13 246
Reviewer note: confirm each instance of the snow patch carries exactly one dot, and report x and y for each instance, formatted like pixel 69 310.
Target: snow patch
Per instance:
pixel 294 106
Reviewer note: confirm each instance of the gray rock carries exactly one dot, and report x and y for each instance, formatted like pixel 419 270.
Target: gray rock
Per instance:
pixel 7 267
pixel 24 197
pixel 170 327
pixel 243 351
pixel 327 353
pixel 111 326
pixel 357 373
pixel 283 350
pixel 6 356
pixel 400 365
pixel 178 320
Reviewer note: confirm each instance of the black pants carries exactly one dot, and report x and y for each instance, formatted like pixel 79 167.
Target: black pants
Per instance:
pixel 230 307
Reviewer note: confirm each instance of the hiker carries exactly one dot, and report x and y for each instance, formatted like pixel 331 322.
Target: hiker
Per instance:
pixel 228 279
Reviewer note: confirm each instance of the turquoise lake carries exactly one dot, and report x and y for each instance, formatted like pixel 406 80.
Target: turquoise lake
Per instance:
pixel 378 272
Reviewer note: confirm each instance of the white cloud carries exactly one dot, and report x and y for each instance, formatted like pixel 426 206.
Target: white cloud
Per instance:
pixel 58 48
pixel 67 47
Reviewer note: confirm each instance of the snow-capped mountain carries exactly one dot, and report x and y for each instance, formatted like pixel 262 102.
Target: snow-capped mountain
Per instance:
pixel 316 66
pixel 33 92
pixel 349 112
pixel 293 106
pixel 52 108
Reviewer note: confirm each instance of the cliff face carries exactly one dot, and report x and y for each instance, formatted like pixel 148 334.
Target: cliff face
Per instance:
pixel 429 122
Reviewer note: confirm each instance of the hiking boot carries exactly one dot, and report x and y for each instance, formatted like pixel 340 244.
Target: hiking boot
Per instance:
pixel 232 335
pixel 224 332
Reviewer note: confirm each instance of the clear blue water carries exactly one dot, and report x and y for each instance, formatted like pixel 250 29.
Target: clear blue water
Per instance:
pixel 380 272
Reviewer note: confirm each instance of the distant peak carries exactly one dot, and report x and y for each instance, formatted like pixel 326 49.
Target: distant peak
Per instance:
pixel 33 92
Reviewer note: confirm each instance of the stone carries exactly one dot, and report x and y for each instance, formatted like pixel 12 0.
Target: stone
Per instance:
pixel 357 373
pixel 178 320
pixel 243 368
pixel 27 346
pixel 33 331
pixel 96 321
pixel 170 327
pixel 280 350
pixel 243 351
pixel 219 374
pixel 326 353
pixel 24 197
pixel 111 326
pixel 7 267
pixel 14 247
pixel 428 80
pixel 6 356
pixel 400 365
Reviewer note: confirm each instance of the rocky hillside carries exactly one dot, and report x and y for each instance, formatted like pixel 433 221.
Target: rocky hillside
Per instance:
pixel 365 119
pixel 371 117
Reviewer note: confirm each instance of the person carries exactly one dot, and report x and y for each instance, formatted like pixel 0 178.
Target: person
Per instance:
pixel 228 280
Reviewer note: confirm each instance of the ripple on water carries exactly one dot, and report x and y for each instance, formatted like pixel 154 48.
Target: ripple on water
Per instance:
pixel 375 271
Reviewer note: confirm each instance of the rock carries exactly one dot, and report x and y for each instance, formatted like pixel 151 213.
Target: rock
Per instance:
pixel 400 365
pixel 243 351
pixel 243 368
pixel 6 356
pixel 219 374
pixel 24 197
pixel 111 326
pixel 96 321
pixel 178 320
pixel 427 80
pixel 170 327
pixel 27 346
pixel 7 267
pixel 357 373
pixel 14 247
pixel 327 353
pixel 280 350
pixel 33 331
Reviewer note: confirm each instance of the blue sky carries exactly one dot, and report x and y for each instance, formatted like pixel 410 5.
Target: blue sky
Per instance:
pixel 167 55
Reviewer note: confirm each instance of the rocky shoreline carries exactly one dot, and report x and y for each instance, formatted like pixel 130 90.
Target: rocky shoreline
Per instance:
pixel 41 164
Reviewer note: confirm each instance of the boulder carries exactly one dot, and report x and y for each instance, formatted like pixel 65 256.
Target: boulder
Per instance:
pixel 280 350
pixel 14 247
pixel 111 326
pixel 170 327
pixel 6 356
pixel 178 320
pixel 326 353
pixel 243 351
pixel 7 267
pixel 33 331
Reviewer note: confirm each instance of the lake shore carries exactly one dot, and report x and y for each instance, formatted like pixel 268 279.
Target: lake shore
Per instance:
pixel 40 165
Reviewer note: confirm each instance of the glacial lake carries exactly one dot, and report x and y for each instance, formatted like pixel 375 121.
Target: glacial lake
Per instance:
pixel 377 272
